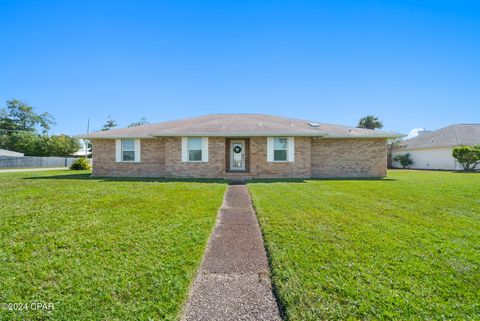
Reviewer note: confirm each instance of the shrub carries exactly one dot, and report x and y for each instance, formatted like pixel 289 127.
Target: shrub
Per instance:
pixel 80 164
pixel 467 156
pixel 404 159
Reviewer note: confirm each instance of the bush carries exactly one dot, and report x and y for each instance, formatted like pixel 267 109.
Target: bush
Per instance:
pixel 467 156
pixel 404 159
pixel 80 164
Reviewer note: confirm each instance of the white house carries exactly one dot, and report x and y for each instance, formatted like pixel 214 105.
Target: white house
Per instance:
pixel 433 149
pixel 10 153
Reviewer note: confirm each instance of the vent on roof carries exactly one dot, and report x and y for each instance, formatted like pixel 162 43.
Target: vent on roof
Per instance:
pixel 313 124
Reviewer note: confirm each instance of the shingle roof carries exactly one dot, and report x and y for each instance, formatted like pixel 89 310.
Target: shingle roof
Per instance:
pixel 238 125
pixel 453 135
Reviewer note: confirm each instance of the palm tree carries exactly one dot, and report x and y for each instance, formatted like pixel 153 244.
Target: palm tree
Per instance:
pixel 370 122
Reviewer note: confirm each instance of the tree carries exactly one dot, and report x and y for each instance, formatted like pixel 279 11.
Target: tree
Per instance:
pixel 370 122
pixel 404 160
pixel 467 156
pixel 391 145
pixel 143 121
pixel 19 131
pixel 32 144
pixel 63 145
pixel 25 142
pixel 18 116
pixel 110 123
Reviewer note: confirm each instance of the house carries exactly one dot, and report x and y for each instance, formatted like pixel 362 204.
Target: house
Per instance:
pixel 10 153
pixel 433 149
pixel 239 146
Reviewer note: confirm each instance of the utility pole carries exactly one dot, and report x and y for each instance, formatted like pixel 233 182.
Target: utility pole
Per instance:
pixel 85 141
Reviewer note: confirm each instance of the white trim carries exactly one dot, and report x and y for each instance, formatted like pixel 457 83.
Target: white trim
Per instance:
pixel 184 150
pixel 118 150
pixel 242 155
pixel 137 150
pixel 205 149
pixel 269 149
pixel 290 149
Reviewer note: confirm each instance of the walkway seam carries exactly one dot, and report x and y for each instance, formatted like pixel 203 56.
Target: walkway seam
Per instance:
pixel 233 282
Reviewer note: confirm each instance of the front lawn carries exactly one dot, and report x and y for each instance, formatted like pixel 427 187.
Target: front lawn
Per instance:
pixel 407 247
pixel 101 249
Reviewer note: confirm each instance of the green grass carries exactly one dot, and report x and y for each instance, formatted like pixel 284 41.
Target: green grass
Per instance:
pixel 101 249
pixel 407 247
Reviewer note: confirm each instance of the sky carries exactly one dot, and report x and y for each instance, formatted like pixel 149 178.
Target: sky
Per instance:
pixel 413 64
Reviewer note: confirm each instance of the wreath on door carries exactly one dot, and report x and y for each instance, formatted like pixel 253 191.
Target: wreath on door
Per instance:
pixel 237 149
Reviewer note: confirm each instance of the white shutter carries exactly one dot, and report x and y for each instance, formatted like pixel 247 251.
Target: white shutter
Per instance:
pixel 118 150
pixel 184 150
pixel 137 150
pixel 269 149
pixel 291 149
pixel 204 149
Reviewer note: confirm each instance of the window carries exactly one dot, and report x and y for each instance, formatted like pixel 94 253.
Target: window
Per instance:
pixel 128 150
pixel 194 149
pixel 194 146
pixel 280 149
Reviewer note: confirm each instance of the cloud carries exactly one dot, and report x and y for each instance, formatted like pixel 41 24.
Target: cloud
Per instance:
pixel 414 132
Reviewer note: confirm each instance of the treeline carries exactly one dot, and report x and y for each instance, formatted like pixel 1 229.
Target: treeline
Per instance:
pixel 23 130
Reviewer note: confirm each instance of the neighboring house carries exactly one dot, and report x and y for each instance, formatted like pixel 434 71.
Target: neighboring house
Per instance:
pixel 240 146
pixel 433 149
pixel 10 153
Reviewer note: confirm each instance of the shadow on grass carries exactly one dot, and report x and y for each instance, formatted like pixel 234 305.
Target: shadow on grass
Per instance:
pixel 88 177
pixel 459 171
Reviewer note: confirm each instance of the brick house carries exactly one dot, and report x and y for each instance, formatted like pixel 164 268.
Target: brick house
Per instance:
pixel 240 146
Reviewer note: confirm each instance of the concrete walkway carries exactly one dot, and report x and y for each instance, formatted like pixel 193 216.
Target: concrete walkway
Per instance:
pixel 233 282
pixel 16 170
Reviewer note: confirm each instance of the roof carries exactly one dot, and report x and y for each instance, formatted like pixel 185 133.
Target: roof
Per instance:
pixel 238 125
pixel 450 136
pixel 6 152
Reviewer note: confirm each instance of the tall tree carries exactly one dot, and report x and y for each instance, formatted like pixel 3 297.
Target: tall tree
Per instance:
pixel 18 116
pixel 370 122
pixel 20 128
pixel 109 124
pixel 143 121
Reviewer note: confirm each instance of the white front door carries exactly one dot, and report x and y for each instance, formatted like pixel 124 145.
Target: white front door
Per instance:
pixel 237 155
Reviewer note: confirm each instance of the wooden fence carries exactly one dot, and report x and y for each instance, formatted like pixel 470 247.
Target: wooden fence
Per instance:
pixel 35 162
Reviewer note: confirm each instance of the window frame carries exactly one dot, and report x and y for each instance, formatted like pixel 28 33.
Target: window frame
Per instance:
pixel 185 152
pixel 290 150
pixel 124 150
pixel 275 149
pixel 188 150
pixel 119 149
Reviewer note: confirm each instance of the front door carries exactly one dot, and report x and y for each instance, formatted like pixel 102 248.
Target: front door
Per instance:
pixel 237 155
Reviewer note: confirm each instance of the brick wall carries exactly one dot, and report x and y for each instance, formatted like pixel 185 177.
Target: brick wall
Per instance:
pixel 313 158
pixel 152 154
pixel 349 157
pixel 260 168
pixel 214 168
